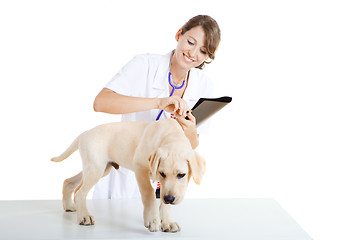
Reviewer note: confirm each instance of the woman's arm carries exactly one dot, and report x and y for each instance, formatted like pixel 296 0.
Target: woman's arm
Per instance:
pixel 108 101
pixel 189 127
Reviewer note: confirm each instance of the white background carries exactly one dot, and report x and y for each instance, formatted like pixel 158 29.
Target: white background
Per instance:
pixel 292 67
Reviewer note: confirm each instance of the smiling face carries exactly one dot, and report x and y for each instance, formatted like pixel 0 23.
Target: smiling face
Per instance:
pixel 191 50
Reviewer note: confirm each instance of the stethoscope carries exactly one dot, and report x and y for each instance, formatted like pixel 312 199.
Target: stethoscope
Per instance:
pixel 172 91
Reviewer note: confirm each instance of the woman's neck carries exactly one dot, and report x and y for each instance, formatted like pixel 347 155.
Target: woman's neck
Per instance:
pixel 178 74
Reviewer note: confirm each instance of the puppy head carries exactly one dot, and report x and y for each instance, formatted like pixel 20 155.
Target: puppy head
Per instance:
pixel 174 169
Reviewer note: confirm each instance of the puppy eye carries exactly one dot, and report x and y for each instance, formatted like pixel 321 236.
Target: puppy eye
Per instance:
pixel 163 174
pixel 181 175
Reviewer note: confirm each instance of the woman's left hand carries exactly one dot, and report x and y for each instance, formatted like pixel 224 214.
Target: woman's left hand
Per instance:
pixel 189 127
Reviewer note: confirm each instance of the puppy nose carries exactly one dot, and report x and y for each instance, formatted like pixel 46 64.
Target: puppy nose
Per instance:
pixel 168 199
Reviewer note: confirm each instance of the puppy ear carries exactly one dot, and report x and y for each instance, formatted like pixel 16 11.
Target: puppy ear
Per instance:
pixel 154 161
pixel 197 166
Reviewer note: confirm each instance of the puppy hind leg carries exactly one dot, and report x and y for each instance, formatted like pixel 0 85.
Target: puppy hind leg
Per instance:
pixel 69 187
pixel 108 168
pixel 90 177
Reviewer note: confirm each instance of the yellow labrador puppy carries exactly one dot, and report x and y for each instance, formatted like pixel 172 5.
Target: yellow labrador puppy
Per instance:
pixel 157 150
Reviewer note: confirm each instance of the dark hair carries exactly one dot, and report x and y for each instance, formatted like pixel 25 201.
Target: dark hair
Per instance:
pixel 212 34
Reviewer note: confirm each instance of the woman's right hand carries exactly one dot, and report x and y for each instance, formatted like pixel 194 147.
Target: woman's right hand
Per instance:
pixel 173 104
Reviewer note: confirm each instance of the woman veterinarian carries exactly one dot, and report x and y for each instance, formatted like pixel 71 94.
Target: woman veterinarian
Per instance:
pixel 141 92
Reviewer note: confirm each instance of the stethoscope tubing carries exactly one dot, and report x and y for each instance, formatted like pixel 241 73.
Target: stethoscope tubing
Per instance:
pixel 172 92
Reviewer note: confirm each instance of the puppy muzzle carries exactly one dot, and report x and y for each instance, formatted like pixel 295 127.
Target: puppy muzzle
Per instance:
pixel 169 199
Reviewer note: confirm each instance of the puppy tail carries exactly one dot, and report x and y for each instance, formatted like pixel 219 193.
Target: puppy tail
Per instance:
pixel 71 149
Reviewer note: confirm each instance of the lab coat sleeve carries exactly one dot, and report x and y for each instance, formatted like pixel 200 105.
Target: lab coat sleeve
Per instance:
pixel 131 80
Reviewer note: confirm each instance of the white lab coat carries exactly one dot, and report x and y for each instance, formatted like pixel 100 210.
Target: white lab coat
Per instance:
pixel 147 76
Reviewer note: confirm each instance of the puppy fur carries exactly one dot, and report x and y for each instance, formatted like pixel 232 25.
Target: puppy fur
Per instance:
pixel 157 151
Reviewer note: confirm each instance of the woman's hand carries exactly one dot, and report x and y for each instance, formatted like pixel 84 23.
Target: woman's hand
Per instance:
pixel 173 104
pixel 189 127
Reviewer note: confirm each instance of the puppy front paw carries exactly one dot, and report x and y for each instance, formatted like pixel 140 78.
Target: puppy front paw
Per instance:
pixel 86 220
pixel 170 227
pixel 70 207
pixel 153 224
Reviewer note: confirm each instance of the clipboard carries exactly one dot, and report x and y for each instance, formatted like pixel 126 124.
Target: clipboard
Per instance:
pixel 206 107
